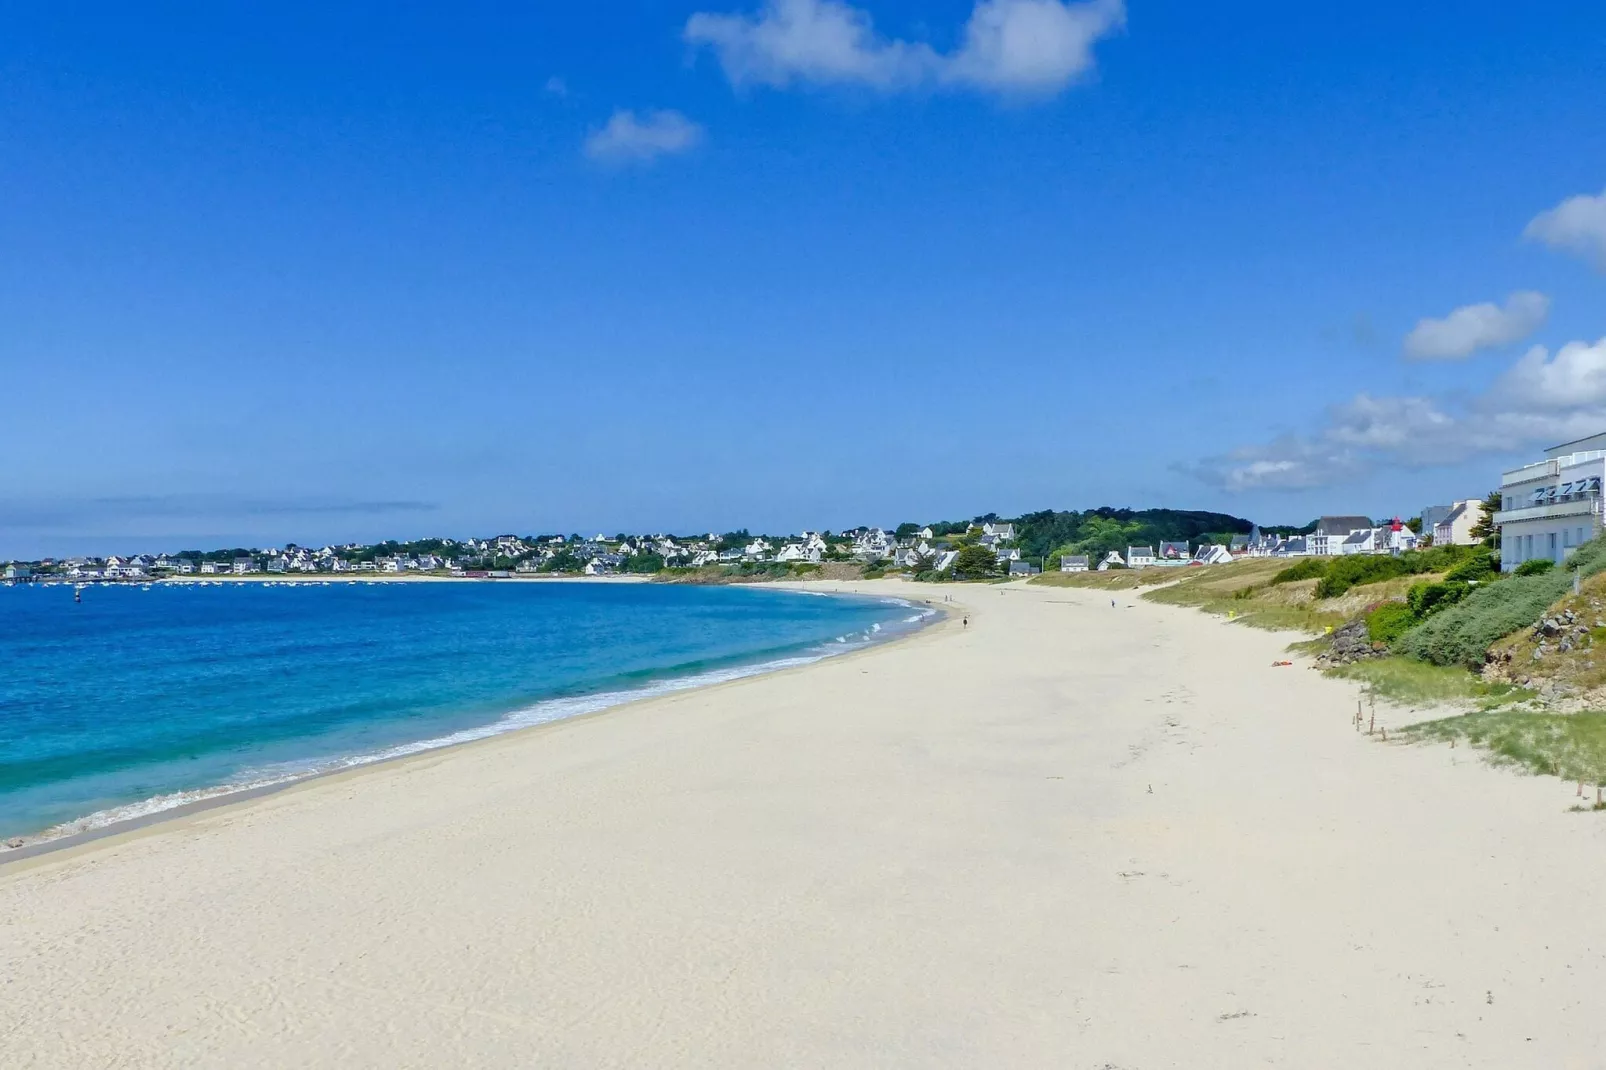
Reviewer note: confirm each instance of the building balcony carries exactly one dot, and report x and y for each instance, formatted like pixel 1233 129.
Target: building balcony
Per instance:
pixel 1578 507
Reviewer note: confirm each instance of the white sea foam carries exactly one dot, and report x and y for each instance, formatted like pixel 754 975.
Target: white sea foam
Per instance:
pixel 546 712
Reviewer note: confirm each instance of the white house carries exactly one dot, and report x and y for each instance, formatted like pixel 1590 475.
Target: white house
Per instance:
pixel 1551 507
pixel 872 543
pixel 1455 529
pixel 927 533
pixel 242 565
pixel 1212 555
pixel 796 551
pixel 1360 541
pixel 1113 559
pixel 1073 563
pixel 1332 531
pixel 1003 531
pixel 1173 551
pixel 18 572
pixel 946 561
pixel 1139 556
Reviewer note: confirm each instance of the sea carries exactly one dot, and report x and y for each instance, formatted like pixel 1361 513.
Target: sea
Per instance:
pixel 137 699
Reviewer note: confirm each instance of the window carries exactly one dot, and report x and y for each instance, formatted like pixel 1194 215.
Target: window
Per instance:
pixel 1553 556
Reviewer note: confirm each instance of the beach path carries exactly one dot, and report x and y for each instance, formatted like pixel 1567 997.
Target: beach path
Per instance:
pixel 1070 835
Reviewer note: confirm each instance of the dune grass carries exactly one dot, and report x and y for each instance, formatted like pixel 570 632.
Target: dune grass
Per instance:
pixel 1568 745
pixel 1412 683
pixel 1243 591
pixel 1116 579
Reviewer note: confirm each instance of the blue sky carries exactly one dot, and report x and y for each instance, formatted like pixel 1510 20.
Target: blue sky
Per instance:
pixel 277 272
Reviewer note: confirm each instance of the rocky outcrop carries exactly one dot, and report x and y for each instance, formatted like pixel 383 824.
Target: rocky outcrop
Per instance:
pixel 1349 644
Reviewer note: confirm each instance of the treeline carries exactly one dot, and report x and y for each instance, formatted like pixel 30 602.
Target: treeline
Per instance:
pixel 1098 531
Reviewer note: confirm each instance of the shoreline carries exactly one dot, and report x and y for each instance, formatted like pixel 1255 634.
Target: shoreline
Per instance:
pixel 41 845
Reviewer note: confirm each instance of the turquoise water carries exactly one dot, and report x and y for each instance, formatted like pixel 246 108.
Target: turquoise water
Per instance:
pixel 139 699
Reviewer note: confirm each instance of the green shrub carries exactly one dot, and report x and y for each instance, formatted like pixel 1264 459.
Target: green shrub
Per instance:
pixel 1355 570
pixel 1479 568
pixel 1359 569
pixel 1463 633
pixel 1536 567
pixel 1312 568
pixel 1425 599
pixel 1389 621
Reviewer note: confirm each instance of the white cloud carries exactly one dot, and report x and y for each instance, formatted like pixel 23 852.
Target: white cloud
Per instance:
pixel 640 139
pixel 1539 401
pixel 1577 224
pixel 1574 379
pixel 1032 46
pixel 1474 327
pixel 1011 46
pixel 557 87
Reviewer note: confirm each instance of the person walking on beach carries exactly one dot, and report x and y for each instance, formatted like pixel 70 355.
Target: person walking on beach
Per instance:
pixel 967 622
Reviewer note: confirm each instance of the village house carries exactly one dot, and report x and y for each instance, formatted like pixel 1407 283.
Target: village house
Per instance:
pixel 999 530
pixel 796 551
pixel 1173 552
pixel 242 565
pixel 1139 556
pixel 1455 527
pixel 1023 568
pixel 1113 559
pixel 1208 554
pixel 1074 563
pixel 18 572
pixel 1332 531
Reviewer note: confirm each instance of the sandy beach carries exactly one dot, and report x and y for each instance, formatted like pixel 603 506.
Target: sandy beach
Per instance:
pixel 1067 835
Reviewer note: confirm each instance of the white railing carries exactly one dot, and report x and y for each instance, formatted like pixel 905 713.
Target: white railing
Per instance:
pixel 1579 507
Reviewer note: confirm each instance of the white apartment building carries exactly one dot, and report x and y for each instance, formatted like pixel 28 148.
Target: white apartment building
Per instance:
pixel 1551 507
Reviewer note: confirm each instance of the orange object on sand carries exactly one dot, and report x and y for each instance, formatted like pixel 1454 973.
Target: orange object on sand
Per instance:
pixel 1277 663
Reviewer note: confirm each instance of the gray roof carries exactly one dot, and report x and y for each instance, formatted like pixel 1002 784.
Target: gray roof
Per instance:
pixel 1341 525
pixel 1140 551
pixel 1075 559
pixel 1358 538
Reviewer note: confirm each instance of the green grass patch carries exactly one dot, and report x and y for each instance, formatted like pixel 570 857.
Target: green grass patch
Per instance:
pixel 1568 745
pixel 1416 683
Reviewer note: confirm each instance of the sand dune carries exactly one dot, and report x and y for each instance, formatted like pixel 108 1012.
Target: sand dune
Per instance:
pixel 1069 835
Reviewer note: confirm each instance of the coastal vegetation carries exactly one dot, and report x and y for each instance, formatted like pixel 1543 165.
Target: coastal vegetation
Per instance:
pixel 1568 745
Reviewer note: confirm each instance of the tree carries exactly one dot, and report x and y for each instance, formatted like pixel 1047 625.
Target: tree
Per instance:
pixel 1485 530
pixel 906 531
pixel 975 561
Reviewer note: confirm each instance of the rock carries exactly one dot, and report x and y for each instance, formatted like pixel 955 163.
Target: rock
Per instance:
pixel 1539 653
pixel 1565 647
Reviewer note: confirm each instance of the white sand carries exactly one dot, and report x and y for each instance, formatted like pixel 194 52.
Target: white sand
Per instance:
pixel 941 853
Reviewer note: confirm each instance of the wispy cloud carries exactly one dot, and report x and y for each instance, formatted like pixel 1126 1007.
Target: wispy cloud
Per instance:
pixel 1018 47
pixel 557 87
pixel 632 138
pixel 1576 225
pixel 1543 398
pixel 1474 327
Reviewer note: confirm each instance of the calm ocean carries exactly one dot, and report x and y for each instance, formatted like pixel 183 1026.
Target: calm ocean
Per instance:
pixel 139 699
